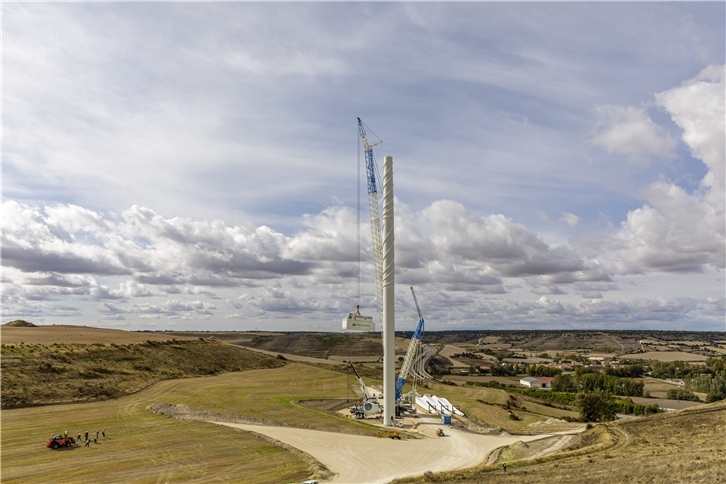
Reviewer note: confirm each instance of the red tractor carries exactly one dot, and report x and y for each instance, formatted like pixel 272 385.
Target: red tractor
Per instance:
pixel 59 441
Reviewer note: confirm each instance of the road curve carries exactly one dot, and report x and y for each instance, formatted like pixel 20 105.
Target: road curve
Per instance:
pixel 361 459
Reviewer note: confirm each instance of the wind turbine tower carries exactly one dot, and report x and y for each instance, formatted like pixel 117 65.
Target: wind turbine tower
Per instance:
pixel 389 297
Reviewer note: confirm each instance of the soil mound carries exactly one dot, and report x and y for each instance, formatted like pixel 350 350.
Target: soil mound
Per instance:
pixel 20 323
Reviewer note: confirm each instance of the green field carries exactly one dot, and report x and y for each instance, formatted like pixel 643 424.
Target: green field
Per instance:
pixel 146 447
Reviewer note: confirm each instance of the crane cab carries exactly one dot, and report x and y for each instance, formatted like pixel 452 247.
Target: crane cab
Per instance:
pixel 359 323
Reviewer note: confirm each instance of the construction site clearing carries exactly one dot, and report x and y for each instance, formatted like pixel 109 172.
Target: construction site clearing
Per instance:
pixel 420 444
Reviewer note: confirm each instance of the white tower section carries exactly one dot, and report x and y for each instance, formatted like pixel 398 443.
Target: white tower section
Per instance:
pixel 389 348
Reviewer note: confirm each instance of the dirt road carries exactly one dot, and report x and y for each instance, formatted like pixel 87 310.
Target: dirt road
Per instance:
pixel 359 459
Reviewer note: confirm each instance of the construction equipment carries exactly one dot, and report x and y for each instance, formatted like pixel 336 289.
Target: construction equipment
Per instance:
pixel 391 434
pixel 414 362
pixel 375 213
pixel 370 406
pixel 58 441
pixel 413 349
pixel 356 321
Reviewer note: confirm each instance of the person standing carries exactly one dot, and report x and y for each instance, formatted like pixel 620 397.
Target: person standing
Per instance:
pixel 85 437
pixel 65 433
pixel 88 442
pixel 97 434
pixel 103 432
pixel 79 438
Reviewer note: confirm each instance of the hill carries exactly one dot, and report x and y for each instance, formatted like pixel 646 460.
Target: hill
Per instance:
pixel 26 332
pixel 685 446
pixel 41 374
pixel 19 323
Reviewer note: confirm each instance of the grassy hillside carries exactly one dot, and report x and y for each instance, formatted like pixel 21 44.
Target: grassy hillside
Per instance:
pixel 676 447
pixel 147 447
pixel 318 345
pixel 508 411
pixel 40 374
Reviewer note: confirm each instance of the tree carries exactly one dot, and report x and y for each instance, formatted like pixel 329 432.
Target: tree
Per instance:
pixel 597 406
pixel 563 383
pixel 682 395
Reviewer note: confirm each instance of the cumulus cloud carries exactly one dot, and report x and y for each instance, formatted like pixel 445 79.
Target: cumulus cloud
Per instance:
pixel 697 107
pixel 56 253
pixel 548 289
pixel 496 244
pixel 328 236
pixel 677 231
pixel 172 309
pixel 629 131
pixel 65 239
pixel 276 300
pixel 570 219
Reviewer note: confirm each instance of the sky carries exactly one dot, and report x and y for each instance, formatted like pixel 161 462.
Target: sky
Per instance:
pixel 179 166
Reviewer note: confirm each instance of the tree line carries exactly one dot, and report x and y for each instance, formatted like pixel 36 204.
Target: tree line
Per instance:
pixel 709 378
pixel 585 381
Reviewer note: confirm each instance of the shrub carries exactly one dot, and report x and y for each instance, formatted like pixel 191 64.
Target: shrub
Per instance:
pixel 682 395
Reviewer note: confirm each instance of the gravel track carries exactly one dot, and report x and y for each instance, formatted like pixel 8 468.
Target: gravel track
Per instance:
pixel 361 459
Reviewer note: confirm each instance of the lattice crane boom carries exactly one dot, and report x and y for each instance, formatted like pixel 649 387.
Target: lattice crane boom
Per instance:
pixel 375 212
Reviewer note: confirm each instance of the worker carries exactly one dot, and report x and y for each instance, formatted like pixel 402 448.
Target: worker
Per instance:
pixel 88 442
pixel 504 467
pixel 103 432
pixel 96 434
pixel 85 437
pixel 79 438
pixel 357 310
pixel 65 433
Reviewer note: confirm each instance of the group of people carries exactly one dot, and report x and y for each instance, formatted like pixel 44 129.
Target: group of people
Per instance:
pixel 86 439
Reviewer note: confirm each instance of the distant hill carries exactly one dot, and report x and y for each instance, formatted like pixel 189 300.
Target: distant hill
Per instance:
pixel 42 373
pixel 20 323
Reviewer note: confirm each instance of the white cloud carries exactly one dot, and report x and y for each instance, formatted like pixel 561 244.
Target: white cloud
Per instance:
pixel 677 231
pixel 229 138
pixel 629 131
pixel 545 290
pixel 570 219
pixel 495 244
pixel 697 107
pixel 328 236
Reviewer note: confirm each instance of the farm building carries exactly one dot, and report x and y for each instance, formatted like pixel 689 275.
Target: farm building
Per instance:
pixel 542 382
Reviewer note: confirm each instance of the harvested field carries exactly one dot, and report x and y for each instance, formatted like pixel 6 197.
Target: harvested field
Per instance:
pixel 65 334
pixel 145 447
pixel 657 388
pixel 665 403
pixel 501 379
pixel 671 356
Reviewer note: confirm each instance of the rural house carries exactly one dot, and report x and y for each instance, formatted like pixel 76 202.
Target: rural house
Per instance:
pixel 542 382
